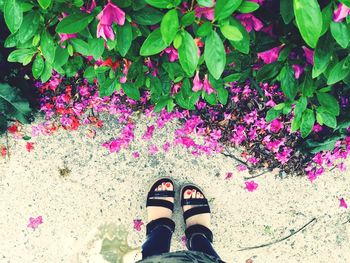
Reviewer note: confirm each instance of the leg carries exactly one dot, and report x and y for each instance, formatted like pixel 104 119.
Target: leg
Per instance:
pixel 158 237
pixel 197 218
pixel 160 204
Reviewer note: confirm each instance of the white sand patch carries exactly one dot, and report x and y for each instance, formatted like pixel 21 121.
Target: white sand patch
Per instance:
pixel 103 188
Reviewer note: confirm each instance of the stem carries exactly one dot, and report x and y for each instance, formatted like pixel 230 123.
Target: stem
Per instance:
pixel 282 239
pixel 192 5
pixel 234 157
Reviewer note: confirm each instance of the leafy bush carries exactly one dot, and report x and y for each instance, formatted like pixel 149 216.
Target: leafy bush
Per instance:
pixel 183 50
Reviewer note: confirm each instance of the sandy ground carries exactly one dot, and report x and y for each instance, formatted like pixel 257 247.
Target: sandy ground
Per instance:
pixel 84 209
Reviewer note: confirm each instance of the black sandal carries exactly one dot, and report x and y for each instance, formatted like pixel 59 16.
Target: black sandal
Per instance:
pixel 202 208
pixel 160 203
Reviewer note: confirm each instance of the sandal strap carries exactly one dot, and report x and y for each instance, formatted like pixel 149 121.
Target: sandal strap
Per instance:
pixel 161 194
pixel 198 229
pixel 160 202
pixel 194 201
pixel 163 221
pixel 196 211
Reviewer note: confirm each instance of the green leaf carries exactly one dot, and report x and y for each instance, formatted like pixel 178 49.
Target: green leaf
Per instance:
pixel 61 57
pixel 89 74
pixel 188 19
pixel 47 47
pixel 341 33
pixel 222 95
pixel 20 55
pixel 269 71
pixel 322 55
pixel 307 122
pixel 46 75
pixel 327 14
pixel 231 32
pixel 186 98
pixel 153 44
pixel 163 102
pixel 206 3
pixel 169 26
pixel 244 44
pixel 74 23
pixel 214 54
pixel 80 46
pixel 329 103
pixel 13 15
pixel 29 27
pixel 147 16
pixel 308 86
pixel 124 38
pixel 288 83
pixel 345 2
pixel 44 3
pixel 300 106
pixel 38 66
pixel 3 124
pixel 96 47
pixel 131 91
pixel 188 54
pixel 339 72
pixel 233 77
pixel 272 114
pixel 309 20
pixel 161 3
pixel 286 10
pixel 248 7
pixel 224 8
pixel 204 29
pixel 326 118
pixel 107 87
pixel 12 104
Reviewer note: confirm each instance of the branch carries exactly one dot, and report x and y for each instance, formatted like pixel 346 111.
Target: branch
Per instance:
pixel 282 239
pixel 234 157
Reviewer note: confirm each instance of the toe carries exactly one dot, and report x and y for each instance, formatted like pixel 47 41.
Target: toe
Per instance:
pixel 194 193
pixel 198 195
pixel 169 186
pixel 187 194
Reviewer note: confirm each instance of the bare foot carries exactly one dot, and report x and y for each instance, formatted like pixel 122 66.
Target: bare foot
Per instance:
pixel 155 212
pixel 201 219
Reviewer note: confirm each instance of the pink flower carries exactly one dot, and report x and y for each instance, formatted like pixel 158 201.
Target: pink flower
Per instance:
pixel 197 83
pixel 149 133
pixel 136 154
pixel 343 203
pixel 276 125
pixel 166 146
pixel 35 222
pixel 110 13
pixel 153 149
pixel 228 176
pixel 309 55
pixel 342 167
pixel 89 8
pixel 183 241
pixel 284 156
pixel 317 128
pixel 138 224
pixel 208 12
pixel 340 13
pixel 271 55
pixel 172 53
pixel 241 167
pixel 298 70
pixel 260 2
pixel 64 37
pixel 250 22
pixel 206 85
pixel 29 146
pixel 251 186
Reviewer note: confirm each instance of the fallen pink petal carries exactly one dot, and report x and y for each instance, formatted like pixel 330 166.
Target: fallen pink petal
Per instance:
pixel 343 203
pixel 34 222
pixel 251 186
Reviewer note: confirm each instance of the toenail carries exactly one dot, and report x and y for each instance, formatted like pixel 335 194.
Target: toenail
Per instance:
pixel 189 192
pixel 168 184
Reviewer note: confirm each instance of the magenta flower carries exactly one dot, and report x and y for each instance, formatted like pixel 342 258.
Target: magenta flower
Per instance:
pixel 250 22
pixel 138 224
pixel 276 125
pixel 343 203
pixel 35 222
pixel 197 83
pixel 241 167
pixel 149 133
pixel 271 55
pixel 172 53
pixel 153 149
pixel 136 154
pixel 251 186
pixel 206 85
pixel 309 55
pixel 340 13
pixel 207 12
pixel 298 70
pixel 89 9
pixel 110 13
pixel 166 146
pixel 228 176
